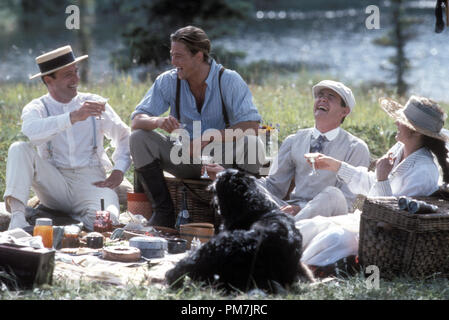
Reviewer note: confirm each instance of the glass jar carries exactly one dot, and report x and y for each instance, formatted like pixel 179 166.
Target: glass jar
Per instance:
pixel 71 237
pixel 44 228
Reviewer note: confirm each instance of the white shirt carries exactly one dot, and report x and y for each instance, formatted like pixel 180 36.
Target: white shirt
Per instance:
pixel 290 162
pixel 330 135
pixel 72 145
pixel 416 175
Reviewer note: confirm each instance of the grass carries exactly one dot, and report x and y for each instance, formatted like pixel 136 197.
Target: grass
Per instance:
pixel 283 100
pixel 353 288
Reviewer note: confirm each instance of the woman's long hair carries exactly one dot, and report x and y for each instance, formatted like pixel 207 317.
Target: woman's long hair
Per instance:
pixel 438 148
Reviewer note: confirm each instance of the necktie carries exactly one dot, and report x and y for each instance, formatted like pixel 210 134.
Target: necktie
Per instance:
pixel 317 144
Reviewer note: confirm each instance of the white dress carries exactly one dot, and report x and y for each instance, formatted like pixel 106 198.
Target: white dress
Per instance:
pixel 328 239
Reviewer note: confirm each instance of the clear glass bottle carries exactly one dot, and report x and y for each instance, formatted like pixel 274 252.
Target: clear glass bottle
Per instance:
pixel 44 228
pixel 183 216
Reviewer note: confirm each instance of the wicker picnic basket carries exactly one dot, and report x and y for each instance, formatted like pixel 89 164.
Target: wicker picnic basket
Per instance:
pixel 199 199
pixel 404 244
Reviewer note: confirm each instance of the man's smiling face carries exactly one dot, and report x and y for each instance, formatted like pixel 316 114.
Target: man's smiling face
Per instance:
pixel 63 85
pixel 328 110
pixel 184 61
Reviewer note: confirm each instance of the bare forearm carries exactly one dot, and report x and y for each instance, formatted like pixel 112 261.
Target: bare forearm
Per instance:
pixel 144 122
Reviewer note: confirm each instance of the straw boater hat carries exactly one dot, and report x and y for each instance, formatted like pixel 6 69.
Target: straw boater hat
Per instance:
pixel 420 114
pixel 55 60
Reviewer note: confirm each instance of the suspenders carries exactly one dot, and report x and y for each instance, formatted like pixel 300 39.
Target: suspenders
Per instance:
pixel 223 106
pixel 94 138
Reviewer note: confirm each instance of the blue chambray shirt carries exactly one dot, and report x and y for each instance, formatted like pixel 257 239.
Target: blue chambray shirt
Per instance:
pixel 236 95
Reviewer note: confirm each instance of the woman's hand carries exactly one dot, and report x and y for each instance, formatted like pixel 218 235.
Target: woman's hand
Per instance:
pixel 323 162
pixel 384 166
pixel 291 209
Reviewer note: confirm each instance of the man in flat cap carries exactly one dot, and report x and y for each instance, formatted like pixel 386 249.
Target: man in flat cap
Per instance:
pixel 64 161
pixel 317 192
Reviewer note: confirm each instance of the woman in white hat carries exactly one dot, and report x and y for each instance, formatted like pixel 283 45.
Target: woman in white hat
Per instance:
pixel 407 169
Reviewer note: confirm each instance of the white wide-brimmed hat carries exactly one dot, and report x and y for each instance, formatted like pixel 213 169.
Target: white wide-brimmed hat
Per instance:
pixel 55 60
pixel 420 114
pixel 343 91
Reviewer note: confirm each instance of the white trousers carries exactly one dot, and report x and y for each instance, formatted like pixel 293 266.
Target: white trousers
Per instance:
pixel 329 202
pixel 69 190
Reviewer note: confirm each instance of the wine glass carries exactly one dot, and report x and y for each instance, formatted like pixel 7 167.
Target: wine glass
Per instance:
pixel 177 134
pixel 312 158
pixel 102 101
pixel 205 160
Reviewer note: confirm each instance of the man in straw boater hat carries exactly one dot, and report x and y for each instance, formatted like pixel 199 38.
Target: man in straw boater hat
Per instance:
pixel 313 191
pixel 407 169
pixel 68 168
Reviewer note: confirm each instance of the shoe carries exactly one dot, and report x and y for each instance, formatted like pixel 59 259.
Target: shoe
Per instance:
pixel 153 182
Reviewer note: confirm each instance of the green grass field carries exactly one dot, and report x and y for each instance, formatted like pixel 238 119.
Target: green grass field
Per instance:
pixel 281 100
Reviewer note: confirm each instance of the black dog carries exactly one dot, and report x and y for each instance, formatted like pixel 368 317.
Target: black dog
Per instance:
pixel 258 246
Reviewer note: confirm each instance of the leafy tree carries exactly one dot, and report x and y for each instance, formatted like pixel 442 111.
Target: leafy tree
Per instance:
pixel 147 36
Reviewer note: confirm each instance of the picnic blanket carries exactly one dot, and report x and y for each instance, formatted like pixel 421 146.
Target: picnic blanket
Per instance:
pixel 87 266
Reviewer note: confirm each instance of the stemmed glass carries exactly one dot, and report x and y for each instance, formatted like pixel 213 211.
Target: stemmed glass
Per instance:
pixel 102 101
pixel 178 141
pixel 205 160
pixel 312 157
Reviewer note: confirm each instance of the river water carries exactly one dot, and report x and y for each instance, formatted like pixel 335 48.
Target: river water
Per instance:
pixel 336 43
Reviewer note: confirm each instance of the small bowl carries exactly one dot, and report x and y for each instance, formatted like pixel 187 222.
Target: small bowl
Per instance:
pixel 176 245
pixel 94 240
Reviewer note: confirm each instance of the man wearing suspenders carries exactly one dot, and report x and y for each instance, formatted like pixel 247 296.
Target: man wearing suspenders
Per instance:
pixel 197 91
pixel 64 161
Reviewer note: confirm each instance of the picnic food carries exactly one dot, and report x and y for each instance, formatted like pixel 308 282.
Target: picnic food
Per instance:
pixel 121 253
pixel 103 222
pixel 44 229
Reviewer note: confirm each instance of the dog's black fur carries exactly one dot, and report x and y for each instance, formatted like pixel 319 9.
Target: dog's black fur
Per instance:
pixel 258 246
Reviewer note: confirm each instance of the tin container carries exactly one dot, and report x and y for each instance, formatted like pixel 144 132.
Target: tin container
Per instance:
pixel 176 245
pixel 203 231
pixel 94 240
pixel 150 247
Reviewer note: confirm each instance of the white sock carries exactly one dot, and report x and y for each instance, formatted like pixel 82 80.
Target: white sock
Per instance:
pixel 18 220
pixel 16 205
